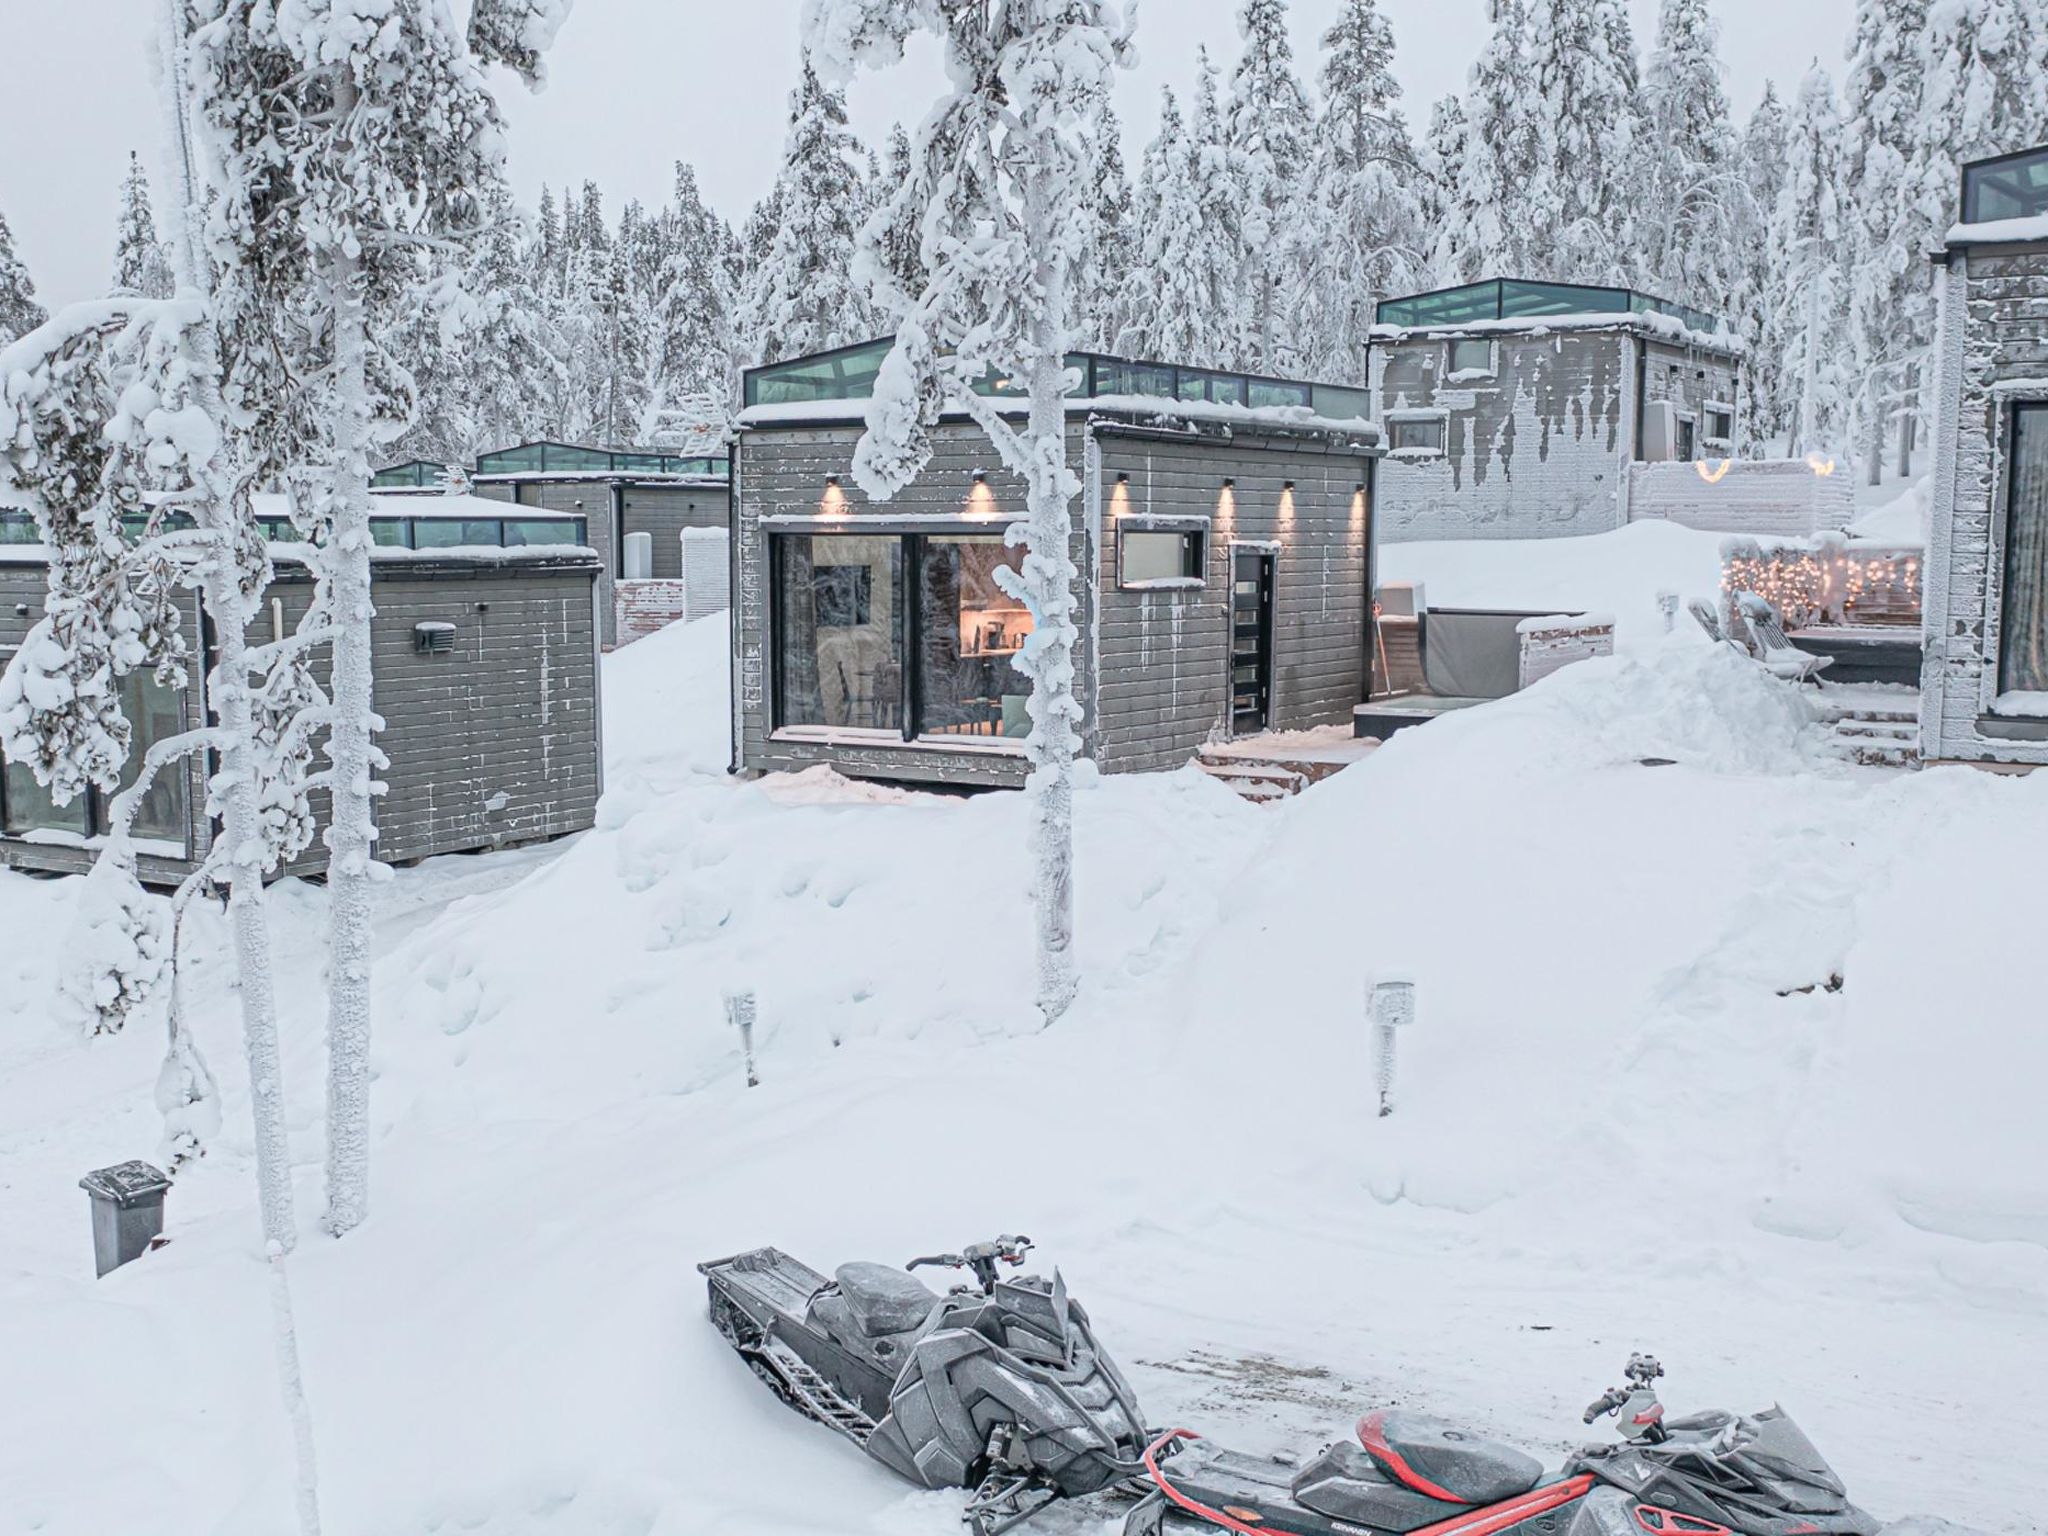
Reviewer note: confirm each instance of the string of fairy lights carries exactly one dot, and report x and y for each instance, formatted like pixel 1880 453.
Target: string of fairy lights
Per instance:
pixel 1808 586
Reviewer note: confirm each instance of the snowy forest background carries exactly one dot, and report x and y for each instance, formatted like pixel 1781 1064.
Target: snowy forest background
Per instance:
pixel 1269 213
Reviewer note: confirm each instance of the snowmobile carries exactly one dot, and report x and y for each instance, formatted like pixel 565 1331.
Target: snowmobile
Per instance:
pixel 1002 1388
pixel 998 1386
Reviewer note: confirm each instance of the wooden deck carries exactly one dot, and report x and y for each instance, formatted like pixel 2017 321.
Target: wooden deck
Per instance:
pixel 1276 764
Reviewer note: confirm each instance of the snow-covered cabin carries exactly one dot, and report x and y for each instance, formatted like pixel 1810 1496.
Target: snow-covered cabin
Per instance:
pixel 1984 689
pixel 617 491
pixel 1516 410
pixel 486 654
pixel 1223 536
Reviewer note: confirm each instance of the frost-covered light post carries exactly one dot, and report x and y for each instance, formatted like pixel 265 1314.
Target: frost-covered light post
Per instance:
pixel 1392 1009
pixel 995 207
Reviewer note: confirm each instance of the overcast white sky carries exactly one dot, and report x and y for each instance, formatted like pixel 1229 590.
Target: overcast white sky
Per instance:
pixel 638 84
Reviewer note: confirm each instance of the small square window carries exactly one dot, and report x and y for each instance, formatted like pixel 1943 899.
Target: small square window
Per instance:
pixel 1471 356
pixel 1423 434
pixel 1720 426
pixel 1156 557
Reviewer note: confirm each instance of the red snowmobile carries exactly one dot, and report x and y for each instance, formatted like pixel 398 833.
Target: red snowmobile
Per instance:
pixel 1001 1388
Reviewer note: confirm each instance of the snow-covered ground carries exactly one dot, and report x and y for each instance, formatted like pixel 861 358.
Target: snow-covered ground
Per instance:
pixel 1636 1111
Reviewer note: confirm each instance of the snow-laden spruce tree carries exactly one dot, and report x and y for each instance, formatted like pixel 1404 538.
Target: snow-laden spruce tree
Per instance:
pixel 1222 194
pixel 1364 226
pixel 1690 190
pixel 1000 181
pixel 339 139
pixel 1809 314
pixel 1761 416
pixel 1177 305
pixel 140 265
pixel 1488 233
pixel 1103 268
pixel 19 311
pixel 1270 133
pixel 1583 194
pixel 689 308
pixel 1439 164
pixel 804 297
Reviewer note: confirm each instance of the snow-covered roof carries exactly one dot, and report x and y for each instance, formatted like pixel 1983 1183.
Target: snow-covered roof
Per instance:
pixel 1648 322
pixel 2001 232
pixel 1292 418
pixel 402 504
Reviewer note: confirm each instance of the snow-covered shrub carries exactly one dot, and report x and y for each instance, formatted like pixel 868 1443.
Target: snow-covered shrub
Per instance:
pixel 119 949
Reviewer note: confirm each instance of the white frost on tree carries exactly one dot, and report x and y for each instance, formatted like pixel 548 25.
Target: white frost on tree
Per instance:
pixel 804 298
pixel 1689 205
pixel 1269 130
pixel 1809 312
pixel 140 265
pixel 19 311
pixel 1000 180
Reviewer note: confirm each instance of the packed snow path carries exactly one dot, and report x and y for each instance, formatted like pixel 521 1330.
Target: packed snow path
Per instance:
pixel 1635 1112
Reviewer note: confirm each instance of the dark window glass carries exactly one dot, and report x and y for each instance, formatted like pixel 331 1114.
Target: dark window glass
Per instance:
pixel 1720 425
pixel 388 532
pixel 2012 188
pixel 508 461
pixel 27 806
pixel 1153 555
pixel 534 530
pixel 973 632
pixel 1341 404
pixel 1427 434
pixel 2023 644
pixel 840 624
pixel 455 532
pixel 1685 439
pixel 845 375
pixel 155 713
pixel 1268 392
pixel 19 528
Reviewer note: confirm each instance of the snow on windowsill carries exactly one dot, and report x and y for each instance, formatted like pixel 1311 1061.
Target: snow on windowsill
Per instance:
pixel 1469 376
pixel 2021 706
pixel 1163 584
pixel 894 741
pixel 57 837
pixel 1164 522
pixel 1415 455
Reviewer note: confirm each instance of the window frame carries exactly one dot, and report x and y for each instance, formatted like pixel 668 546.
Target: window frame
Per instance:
pixel 1709 411
pixel 1195 552
pixel 1453 373
pixel 1439 419
pixel 913 545
pixel 2018 405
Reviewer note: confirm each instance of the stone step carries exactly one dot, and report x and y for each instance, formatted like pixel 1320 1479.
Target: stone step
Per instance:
pixel 1255 781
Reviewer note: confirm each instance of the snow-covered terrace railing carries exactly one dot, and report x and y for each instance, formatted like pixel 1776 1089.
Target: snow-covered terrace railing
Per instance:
pixel 1828 580
pixel 1503 299
pixel 848 373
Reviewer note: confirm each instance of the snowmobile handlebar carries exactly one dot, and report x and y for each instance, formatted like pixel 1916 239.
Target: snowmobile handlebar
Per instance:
pixel 982 1258
pixel 1606 1403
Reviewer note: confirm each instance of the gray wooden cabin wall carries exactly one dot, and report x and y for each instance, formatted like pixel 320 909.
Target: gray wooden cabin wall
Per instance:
pixel 1993 350
pixel 664 511
pixel 494 742
pixel 1162 673
pixel 1541 448
pixel 594 502
pixel 1153 667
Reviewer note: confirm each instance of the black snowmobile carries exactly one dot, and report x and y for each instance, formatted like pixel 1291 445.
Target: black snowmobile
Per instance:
pixel 1001 1387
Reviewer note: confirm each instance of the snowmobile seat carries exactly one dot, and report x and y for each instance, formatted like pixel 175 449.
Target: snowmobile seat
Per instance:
pixel 1445 1462
pixel 884 1301
pixel 1346 1484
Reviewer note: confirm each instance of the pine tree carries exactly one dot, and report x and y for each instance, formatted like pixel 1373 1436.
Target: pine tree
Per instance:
pixel 1223 196
pixel 690 341
pixel 1268 134
pixel 1762 418
pixel 1439 168
pixel 19 311
pixel 1001 181
pixel 1102 269
pixel 1502 158
pixel 140 265
pixel 1809 300
pixel 1692 194
pixel 1366 234
pixel 1175 310
pixel 804 298
pixel 1581 62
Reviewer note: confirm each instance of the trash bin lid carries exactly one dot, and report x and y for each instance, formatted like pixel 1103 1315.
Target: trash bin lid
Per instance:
pixel 126 1184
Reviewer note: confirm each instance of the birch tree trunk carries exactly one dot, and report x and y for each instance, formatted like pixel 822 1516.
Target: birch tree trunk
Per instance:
pixel 228 690
pixel 1049 584
pixel 352 758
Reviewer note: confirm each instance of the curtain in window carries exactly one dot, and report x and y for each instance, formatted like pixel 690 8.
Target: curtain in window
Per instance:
pixel 2023 664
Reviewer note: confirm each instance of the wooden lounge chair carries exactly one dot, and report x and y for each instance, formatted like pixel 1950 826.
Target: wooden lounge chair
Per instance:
pixel 1770 646
pixel 1710 621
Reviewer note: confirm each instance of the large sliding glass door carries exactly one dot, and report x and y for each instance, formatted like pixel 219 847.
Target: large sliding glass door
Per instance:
pixel 2023 646
pixel 154 713
pixel 904 634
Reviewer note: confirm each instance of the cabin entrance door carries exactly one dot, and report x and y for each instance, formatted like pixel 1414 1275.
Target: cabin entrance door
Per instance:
pixel 1251 638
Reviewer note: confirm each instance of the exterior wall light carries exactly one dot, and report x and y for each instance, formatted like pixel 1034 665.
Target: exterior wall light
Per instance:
pixel 981 477
pixel 1286 485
